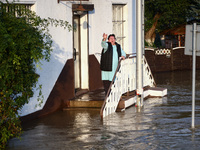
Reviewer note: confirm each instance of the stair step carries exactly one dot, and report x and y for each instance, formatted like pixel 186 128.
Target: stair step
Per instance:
pixel 150 92
pixel 85 104
pixel 127 99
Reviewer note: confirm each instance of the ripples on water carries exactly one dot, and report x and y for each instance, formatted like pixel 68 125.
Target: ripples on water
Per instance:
pixel 163 123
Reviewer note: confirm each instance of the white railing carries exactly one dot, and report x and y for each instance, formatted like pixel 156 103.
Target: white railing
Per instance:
pixel 148 79
pixel 124 81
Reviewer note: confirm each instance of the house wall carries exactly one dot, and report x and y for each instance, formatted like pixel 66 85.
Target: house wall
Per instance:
pixel 99 22
pixel 62 50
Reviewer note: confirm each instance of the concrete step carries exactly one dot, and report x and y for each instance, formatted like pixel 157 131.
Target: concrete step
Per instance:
pixel 85 99
pixel 85 104
pixel 95 99
pixel 149 92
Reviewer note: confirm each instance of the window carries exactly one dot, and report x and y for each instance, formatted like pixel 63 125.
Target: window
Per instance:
pixel 119 23
pixel 15 7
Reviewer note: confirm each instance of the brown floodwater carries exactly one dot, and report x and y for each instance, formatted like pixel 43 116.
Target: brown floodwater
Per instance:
pixel 163 123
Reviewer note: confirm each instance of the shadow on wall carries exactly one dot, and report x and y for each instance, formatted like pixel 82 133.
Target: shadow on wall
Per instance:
pixel 63 89
pixel 49 72
pixel 59 74
pixel 60 55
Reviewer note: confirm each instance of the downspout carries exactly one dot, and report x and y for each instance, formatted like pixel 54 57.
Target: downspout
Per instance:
pixel 139 52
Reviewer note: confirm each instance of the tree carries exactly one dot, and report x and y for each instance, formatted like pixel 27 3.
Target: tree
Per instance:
pixel 157 41
pixel 24 41
pixel 166 14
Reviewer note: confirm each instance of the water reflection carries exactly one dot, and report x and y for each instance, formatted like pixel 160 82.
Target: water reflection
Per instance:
pixel 163 123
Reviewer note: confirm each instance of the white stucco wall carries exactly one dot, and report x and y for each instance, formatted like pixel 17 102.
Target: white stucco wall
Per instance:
pixel 62 49
pixel 100 21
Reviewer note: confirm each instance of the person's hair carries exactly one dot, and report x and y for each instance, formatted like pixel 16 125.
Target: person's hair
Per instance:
pixel 111 35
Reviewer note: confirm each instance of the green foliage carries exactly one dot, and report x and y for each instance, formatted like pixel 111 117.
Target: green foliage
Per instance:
pixel 24 42
pixel 172 12
pixel 40 97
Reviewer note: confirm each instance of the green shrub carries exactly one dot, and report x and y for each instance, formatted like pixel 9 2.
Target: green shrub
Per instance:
pixel 24 41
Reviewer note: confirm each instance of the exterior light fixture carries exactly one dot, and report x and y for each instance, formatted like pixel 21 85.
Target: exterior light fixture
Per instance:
pixel 80 9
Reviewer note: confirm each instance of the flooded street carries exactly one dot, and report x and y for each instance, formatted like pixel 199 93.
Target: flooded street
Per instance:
pixel 163 123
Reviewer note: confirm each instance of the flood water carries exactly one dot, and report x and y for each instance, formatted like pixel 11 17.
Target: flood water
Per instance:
pixel 163 123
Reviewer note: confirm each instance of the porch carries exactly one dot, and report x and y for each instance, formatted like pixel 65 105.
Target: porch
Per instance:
pixel 95 99
pixel 122 91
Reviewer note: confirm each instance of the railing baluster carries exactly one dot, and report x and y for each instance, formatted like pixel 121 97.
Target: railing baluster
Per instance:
pixel 124 81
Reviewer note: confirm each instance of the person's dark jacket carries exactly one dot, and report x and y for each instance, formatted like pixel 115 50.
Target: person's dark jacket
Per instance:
pixel 106 58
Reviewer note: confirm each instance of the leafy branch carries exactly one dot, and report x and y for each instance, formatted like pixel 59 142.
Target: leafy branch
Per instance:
pixel 24 41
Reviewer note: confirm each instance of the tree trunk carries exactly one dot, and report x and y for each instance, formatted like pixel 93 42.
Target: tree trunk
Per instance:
pixel 150 35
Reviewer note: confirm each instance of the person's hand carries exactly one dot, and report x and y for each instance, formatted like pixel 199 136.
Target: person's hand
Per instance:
pixel 104 36
pixel 122 57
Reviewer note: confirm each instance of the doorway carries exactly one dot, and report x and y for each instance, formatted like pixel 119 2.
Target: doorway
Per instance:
pixel 76 53
pixel 80 52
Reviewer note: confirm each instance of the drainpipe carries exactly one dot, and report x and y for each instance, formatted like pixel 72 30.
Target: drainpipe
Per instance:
pixel 143 45
pixel 139 52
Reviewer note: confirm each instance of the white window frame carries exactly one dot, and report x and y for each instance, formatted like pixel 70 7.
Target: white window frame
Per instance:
pixel 122 35
pixel 29 4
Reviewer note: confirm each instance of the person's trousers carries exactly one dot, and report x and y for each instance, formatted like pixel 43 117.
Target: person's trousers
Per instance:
pixel 106 84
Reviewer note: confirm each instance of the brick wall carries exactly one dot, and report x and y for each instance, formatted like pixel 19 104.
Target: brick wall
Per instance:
pixel 177 61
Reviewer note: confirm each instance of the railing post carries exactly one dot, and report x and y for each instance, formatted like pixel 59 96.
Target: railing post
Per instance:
pixel 194 48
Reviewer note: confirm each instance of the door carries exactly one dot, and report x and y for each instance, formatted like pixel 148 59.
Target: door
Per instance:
pixel 77 52
pixel 80 51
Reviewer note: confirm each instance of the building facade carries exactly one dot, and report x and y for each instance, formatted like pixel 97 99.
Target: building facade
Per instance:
pixel 74 63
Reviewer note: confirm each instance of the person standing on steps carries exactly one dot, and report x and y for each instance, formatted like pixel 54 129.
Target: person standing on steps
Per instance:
pixel 110 56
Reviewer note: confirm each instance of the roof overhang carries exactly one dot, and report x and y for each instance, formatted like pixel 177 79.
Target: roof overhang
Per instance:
pixel 76 7
pixel 87 7
pixel 179 30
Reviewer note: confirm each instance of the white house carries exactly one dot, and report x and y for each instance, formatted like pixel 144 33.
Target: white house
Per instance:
pixel 73 63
